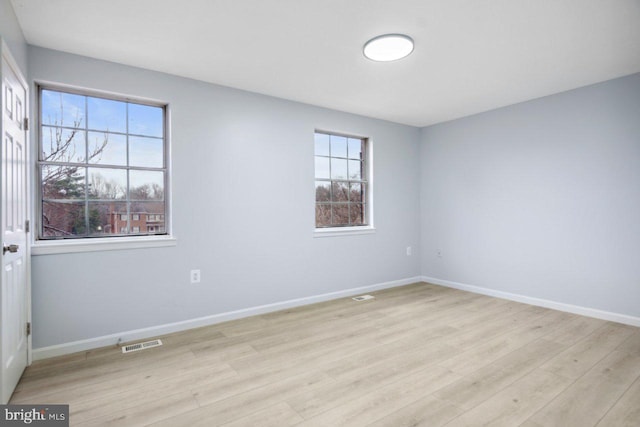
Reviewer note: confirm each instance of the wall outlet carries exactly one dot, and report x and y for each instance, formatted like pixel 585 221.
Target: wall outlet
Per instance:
pixel 409 251
pixel 439 253
pixel 195 276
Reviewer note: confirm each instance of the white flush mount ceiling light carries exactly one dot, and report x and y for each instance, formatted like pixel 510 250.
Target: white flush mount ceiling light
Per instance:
pixel 388 47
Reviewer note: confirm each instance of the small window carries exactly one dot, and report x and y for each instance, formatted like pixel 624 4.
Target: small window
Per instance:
pixel 341 181
pixel 100 159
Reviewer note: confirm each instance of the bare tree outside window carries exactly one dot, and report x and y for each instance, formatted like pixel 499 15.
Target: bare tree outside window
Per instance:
pixel 100 160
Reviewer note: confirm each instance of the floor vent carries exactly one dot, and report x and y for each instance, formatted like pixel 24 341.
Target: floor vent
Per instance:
pixel 141 346
pixel 363 297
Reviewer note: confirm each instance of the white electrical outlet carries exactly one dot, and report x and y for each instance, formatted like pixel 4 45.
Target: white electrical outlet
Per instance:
pixel 439 253
pixel 195 276
pixel 409 251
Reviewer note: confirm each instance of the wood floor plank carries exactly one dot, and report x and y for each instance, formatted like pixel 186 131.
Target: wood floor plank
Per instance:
pixel 214 391
pixel 417 355
pixel 380 403
pixel 575 330
pixel 302 334
pixel 238 406
pixel 479 386
pixel 87 369
pixel 362 379
pixel 474 334
pixel 83 410
pixel 112 385
pixel 424 412
pixel 632 344
pixel 313 402
pixel 626 412
pixel 279 415
pixel 579 358
pixel 396 362
pixel 91 406
pixel 588 399
pixel 145 413
pixel 517 402
pixel 481 355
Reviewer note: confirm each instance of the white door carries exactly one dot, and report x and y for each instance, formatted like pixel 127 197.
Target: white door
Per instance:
pixel 15 253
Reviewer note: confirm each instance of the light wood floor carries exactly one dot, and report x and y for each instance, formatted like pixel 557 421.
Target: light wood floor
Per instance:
pixel 419 355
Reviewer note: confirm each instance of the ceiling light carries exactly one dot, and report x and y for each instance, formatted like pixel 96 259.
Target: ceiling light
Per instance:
pixel 388 47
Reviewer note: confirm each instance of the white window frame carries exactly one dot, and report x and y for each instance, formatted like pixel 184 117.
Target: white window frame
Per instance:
pixel 89 244
pixel 351 230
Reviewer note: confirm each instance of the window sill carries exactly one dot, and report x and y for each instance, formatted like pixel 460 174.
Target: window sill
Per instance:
pixel 50 247
pixel 343 231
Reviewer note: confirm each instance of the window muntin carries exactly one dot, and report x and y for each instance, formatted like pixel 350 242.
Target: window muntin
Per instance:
pixel 341 181
pixel 100 160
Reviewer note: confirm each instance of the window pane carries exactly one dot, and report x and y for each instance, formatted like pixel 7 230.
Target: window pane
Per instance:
pixel 323 191
pixel 355 148
pixel 63 145
pixel 346 187
pixel 356 193
pixel 356 214
pixel 107 115
pixel 151 217
pixel 338 168
pixel 63 219
pixel 123 139
pixel 340 191
pixel 63 182
pixel 323 215
pixel 146 120
pixel 118 219
pixel 146 185
pixel 63 109
pixel 340 214
pixel 338 146
pixel 146 152
pixel 322 167
pixel 107 184
pixel 321 144
pixel 107 148
pixel 355 169
pixel 105 218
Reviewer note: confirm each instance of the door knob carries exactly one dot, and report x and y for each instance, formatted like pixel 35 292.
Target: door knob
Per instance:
pixel 10 248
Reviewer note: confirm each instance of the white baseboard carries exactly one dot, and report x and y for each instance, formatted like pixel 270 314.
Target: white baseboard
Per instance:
pixel 137 334
pixel 576 309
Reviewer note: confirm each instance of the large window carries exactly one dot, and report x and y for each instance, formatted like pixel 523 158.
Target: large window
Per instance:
pixel 102 165
pixel 341 180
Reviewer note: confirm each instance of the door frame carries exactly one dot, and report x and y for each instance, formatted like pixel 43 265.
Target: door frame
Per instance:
pixel 5 55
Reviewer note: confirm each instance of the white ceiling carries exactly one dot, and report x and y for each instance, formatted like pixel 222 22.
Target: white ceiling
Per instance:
pixel 470 55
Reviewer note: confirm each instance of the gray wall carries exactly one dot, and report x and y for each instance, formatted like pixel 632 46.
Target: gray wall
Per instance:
pixel 243 211
pixel 11 33
pixel 540 199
